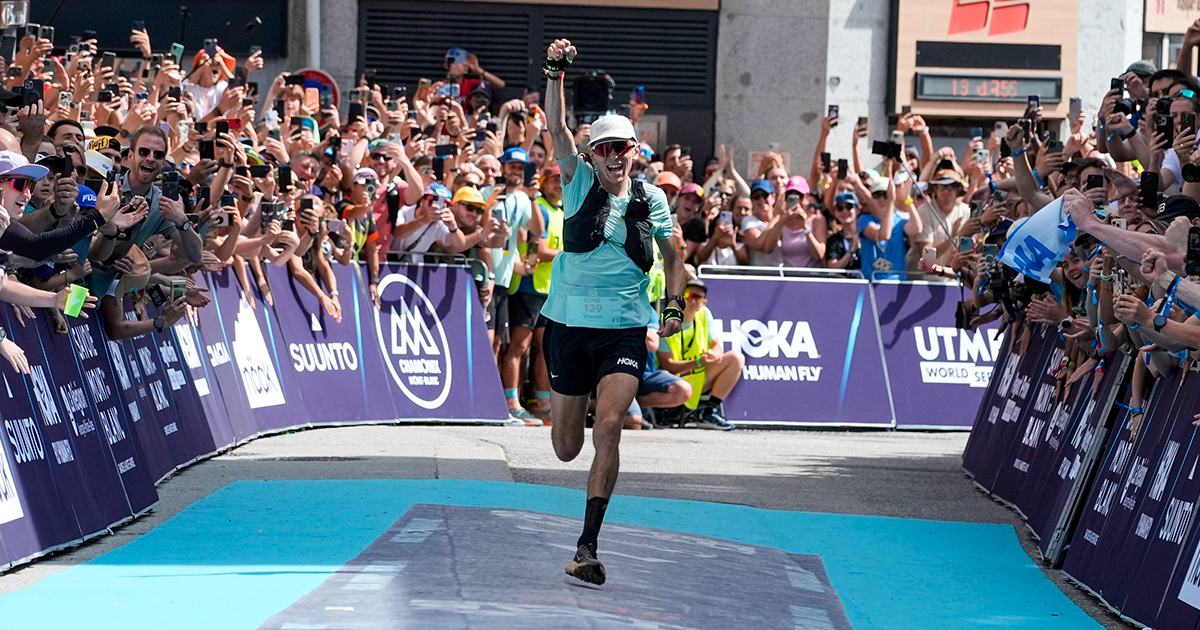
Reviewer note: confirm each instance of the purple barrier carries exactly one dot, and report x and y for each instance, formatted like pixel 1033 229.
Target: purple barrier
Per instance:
pixel 812 351
pixel 432 337
pixel 929 360
pixel 1017 378
pixel 1140 517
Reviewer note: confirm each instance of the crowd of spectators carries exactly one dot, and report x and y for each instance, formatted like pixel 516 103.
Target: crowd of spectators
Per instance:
pixel 128 176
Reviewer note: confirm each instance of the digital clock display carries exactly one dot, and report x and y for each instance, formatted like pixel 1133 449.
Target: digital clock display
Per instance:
pixel 951 87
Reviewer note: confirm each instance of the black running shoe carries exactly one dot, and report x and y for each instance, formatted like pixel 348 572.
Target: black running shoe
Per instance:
pixel 586 567
pixel 709 417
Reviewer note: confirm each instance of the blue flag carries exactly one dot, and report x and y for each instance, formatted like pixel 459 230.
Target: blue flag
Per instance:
pixel 1034 246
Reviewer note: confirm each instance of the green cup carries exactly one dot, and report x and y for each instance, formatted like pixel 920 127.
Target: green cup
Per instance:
pixel 76 299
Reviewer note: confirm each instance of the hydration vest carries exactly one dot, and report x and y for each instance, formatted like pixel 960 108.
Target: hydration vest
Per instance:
pixel 584 231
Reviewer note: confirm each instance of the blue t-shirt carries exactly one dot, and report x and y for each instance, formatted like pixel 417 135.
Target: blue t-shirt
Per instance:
pixel 603 288
pixel 892 250
pixel 516 210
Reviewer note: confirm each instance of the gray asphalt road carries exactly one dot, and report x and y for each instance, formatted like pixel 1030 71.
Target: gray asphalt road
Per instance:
pixel 905 475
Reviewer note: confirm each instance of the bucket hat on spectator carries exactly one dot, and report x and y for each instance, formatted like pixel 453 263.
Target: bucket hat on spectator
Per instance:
pixel 15 165
pixel 224 58
pixel 1178 206
pixel 692 188
pixel 846 197
pixel 947 177
pixel 763 185
pixel 797 183
pixel 611 127
pixel 515 154
pixel 667 179
pixel 1143 68
pixel 471 195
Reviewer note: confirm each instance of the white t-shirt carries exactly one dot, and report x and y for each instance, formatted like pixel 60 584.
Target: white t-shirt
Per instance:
pixel 937 227
pixel 722 256
pixel 421 240
pixel 1171 163
pixel 208 98
pixel 759 258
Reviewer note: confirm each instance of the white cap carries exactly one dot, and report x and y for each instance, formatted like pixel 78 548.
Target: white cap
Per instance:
pixel 99 162
pixel 15 165
pixel 611 127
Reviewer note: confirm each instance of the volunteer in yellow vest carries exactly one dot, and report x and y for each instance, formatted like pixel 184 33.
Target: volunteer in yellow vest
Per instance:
pixel 525 301
pixel 695 354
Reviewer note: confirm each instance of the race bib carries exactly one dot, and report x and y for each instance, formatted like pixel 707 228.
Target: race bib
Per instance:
pixel 587 308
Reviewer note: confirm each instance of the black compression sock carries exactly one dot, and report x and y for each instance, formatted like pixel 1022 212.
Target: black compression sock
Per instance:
pixel 714 402
pixel 592 519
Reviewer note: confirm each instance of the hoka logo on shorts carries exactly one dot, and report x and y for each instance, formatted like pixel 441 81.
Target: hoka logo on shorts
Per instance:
pixel 254 361
pixel 411 332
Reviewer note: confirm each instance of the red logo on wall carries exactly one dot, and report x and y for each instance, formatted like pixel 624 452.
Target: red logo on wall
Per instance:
pixel 972 15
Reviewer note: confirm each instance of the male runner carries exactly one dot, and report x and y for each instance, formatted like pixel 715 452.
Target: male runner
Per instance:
pixel 597 310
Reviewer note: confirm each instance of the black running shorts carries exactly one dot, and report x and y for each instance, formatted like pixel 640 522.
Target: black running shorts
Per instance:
pixel 577 358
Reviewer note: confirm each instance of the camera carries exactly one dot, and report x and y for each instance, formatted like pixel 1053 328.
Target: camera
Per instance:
pixel 886 149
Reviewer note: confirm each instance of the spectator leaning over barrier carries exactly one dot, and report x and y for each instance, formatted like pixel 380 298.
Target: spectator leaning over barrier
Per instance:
pixel 695 354
pixel 762 229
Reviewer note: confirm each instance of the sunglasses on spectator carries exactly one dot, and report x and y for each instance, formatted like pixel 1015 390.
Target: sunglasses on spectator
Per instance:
pixel 158 155
pixel 476 208
pixel 842 207
pixel 1186 93
pixel 812 206
pixel 20 184
pixel 380 156
pixel 692 295
pixel 759 196
pixel 879 195
pixel 613 149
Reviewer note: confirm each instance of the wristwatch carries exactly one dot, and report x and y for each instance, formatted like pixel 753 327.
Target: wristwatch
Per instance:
pixel 1160 320
pixel 187 225
pixel 3 333
pixel 159 323
pixel 678 299
pixel 1064 325
pixel 333 294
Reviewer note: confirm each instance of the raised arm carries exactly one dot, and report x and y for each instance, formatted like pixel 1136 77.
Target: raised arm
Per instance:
pixel 564 142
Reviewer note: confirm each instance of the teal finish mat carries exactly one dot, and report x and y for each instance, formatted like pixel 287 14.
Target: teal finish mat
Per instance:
pixel 252 549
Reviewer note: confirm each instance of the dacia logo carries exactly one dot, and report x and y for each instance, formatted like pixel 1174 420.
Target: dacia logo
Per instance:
pixel 972 15
pixel 417 353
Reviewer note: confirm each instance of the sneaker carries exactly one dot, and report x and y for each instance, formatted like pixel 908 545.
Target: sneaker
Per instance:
pixel 709 417
pixel 522 415
pixel 647 425
pixel 542 414
pixel 586 567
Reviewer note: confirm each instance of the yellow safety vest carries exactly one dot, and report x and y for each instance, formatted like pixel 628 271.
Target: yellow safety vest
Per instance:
pixel 554 235
pixel 689 345
pixel 658 277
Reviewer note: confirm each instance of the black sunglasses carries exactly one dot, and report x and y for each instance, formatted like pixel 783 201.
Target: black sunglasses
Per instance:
pixel 380 156
pixel 158 155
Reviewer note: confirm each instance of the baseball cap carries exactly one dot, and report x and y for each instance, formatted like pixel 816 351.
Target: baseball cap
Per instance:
pixel 104 142
pixel 515 154
pixel 436 190
pixel 610 127
pixel 698 283
pixel 481 88
pixel 108 130
pixel 846 197
pixel 458 53
pixel 377 143
pixel 86 197
pixel 667 178
pixel 15 165
pixel 691 188
pixel 879 185
pixel 553 171
pixel 1144 68
pixel 469 194
pixel 797 183
pixel 1178 206
pixel 763 185
pixel 363 174
pixel 98 162
pixel 946 177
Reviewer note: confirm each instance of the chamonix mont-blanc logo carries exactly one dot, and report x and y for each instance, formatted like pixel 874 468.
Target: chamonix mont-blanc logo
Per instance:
pixel 414 342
